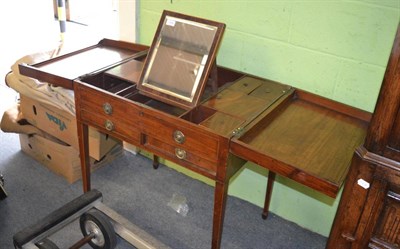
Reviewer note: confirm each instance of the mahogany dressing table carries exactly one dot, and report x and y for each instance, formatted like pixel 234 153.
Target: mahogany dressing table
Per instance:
pixel 211 129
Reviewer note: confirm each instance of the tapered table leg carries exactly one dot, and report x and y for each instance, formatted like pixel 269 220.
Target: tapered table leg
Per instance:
pixel 220 197
pixel 268 193
pixel 156 162
pixel 83 132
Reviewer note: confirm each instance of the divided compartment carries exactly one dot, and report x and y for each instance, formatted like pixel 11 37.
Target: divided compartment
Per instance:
pixel 199 114
pixel 113 83
pixel 121 80
pixel 159 105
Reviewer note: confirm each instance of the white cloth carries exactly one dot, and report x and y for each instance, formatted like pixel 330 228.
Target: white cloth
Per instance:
pixel 41 91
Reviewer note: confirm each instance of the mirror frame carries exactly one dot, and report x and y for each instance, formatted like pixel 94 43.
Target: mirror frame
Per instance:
pixel 174 98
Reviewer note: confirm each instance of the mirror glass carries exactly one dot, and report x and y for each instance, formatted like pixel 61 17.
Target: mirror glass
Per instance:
pixel 179 57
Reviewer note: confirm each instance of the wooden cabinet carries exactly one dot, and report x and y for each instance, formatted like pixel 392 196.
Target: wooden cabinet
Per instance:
pixel 369 212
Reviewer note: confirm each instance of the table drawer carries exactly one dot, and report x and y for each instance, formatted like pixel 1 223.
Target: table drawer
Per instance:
pixel 114 126
pixel 179 155
pixel 103 103
pixel 178 133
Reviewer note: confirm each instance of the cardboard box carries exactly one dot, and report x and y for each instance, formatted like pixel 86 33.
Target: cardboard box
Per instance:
pixel 62 125
pixel 60 158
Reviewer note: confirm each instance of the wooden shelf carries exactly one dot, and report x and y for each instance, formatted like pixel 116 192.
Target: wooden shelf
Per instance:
pixel 304 141
pixel 62 70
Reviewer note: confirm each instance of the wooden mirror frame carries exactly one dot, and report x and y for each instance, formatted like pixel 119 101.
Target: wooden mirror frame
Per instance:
pixel 178 65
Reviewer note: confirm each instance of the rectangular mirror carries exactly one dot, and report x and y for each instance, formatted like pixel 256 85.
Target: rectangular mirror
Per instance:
pixel 180 59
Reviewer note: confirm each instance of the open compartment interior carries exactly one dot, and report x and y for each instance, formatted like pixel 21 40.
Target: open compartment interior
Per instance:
pixel 122 80
pixel 199 114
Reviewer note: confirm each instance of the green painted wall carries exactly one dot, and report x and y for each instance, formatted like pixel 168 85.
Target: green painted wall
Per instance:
pixel 337 49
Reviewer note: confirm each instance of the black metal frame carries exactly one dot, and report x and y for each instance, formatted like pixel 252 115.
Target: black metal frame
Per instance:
pixel 3 193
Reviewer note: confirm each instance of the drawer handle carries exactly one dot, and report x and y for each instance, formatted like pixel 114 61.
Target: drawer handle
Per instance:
pixel 180 153
pixel 107 108
pixel 109 125
pixel 179 137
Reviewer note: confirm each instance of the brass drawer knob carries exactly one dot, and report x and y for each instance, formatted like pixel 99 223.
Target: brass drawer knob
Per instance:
pixel 180 153
pixel 179 137
pixel 109 125
pixel 107 108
